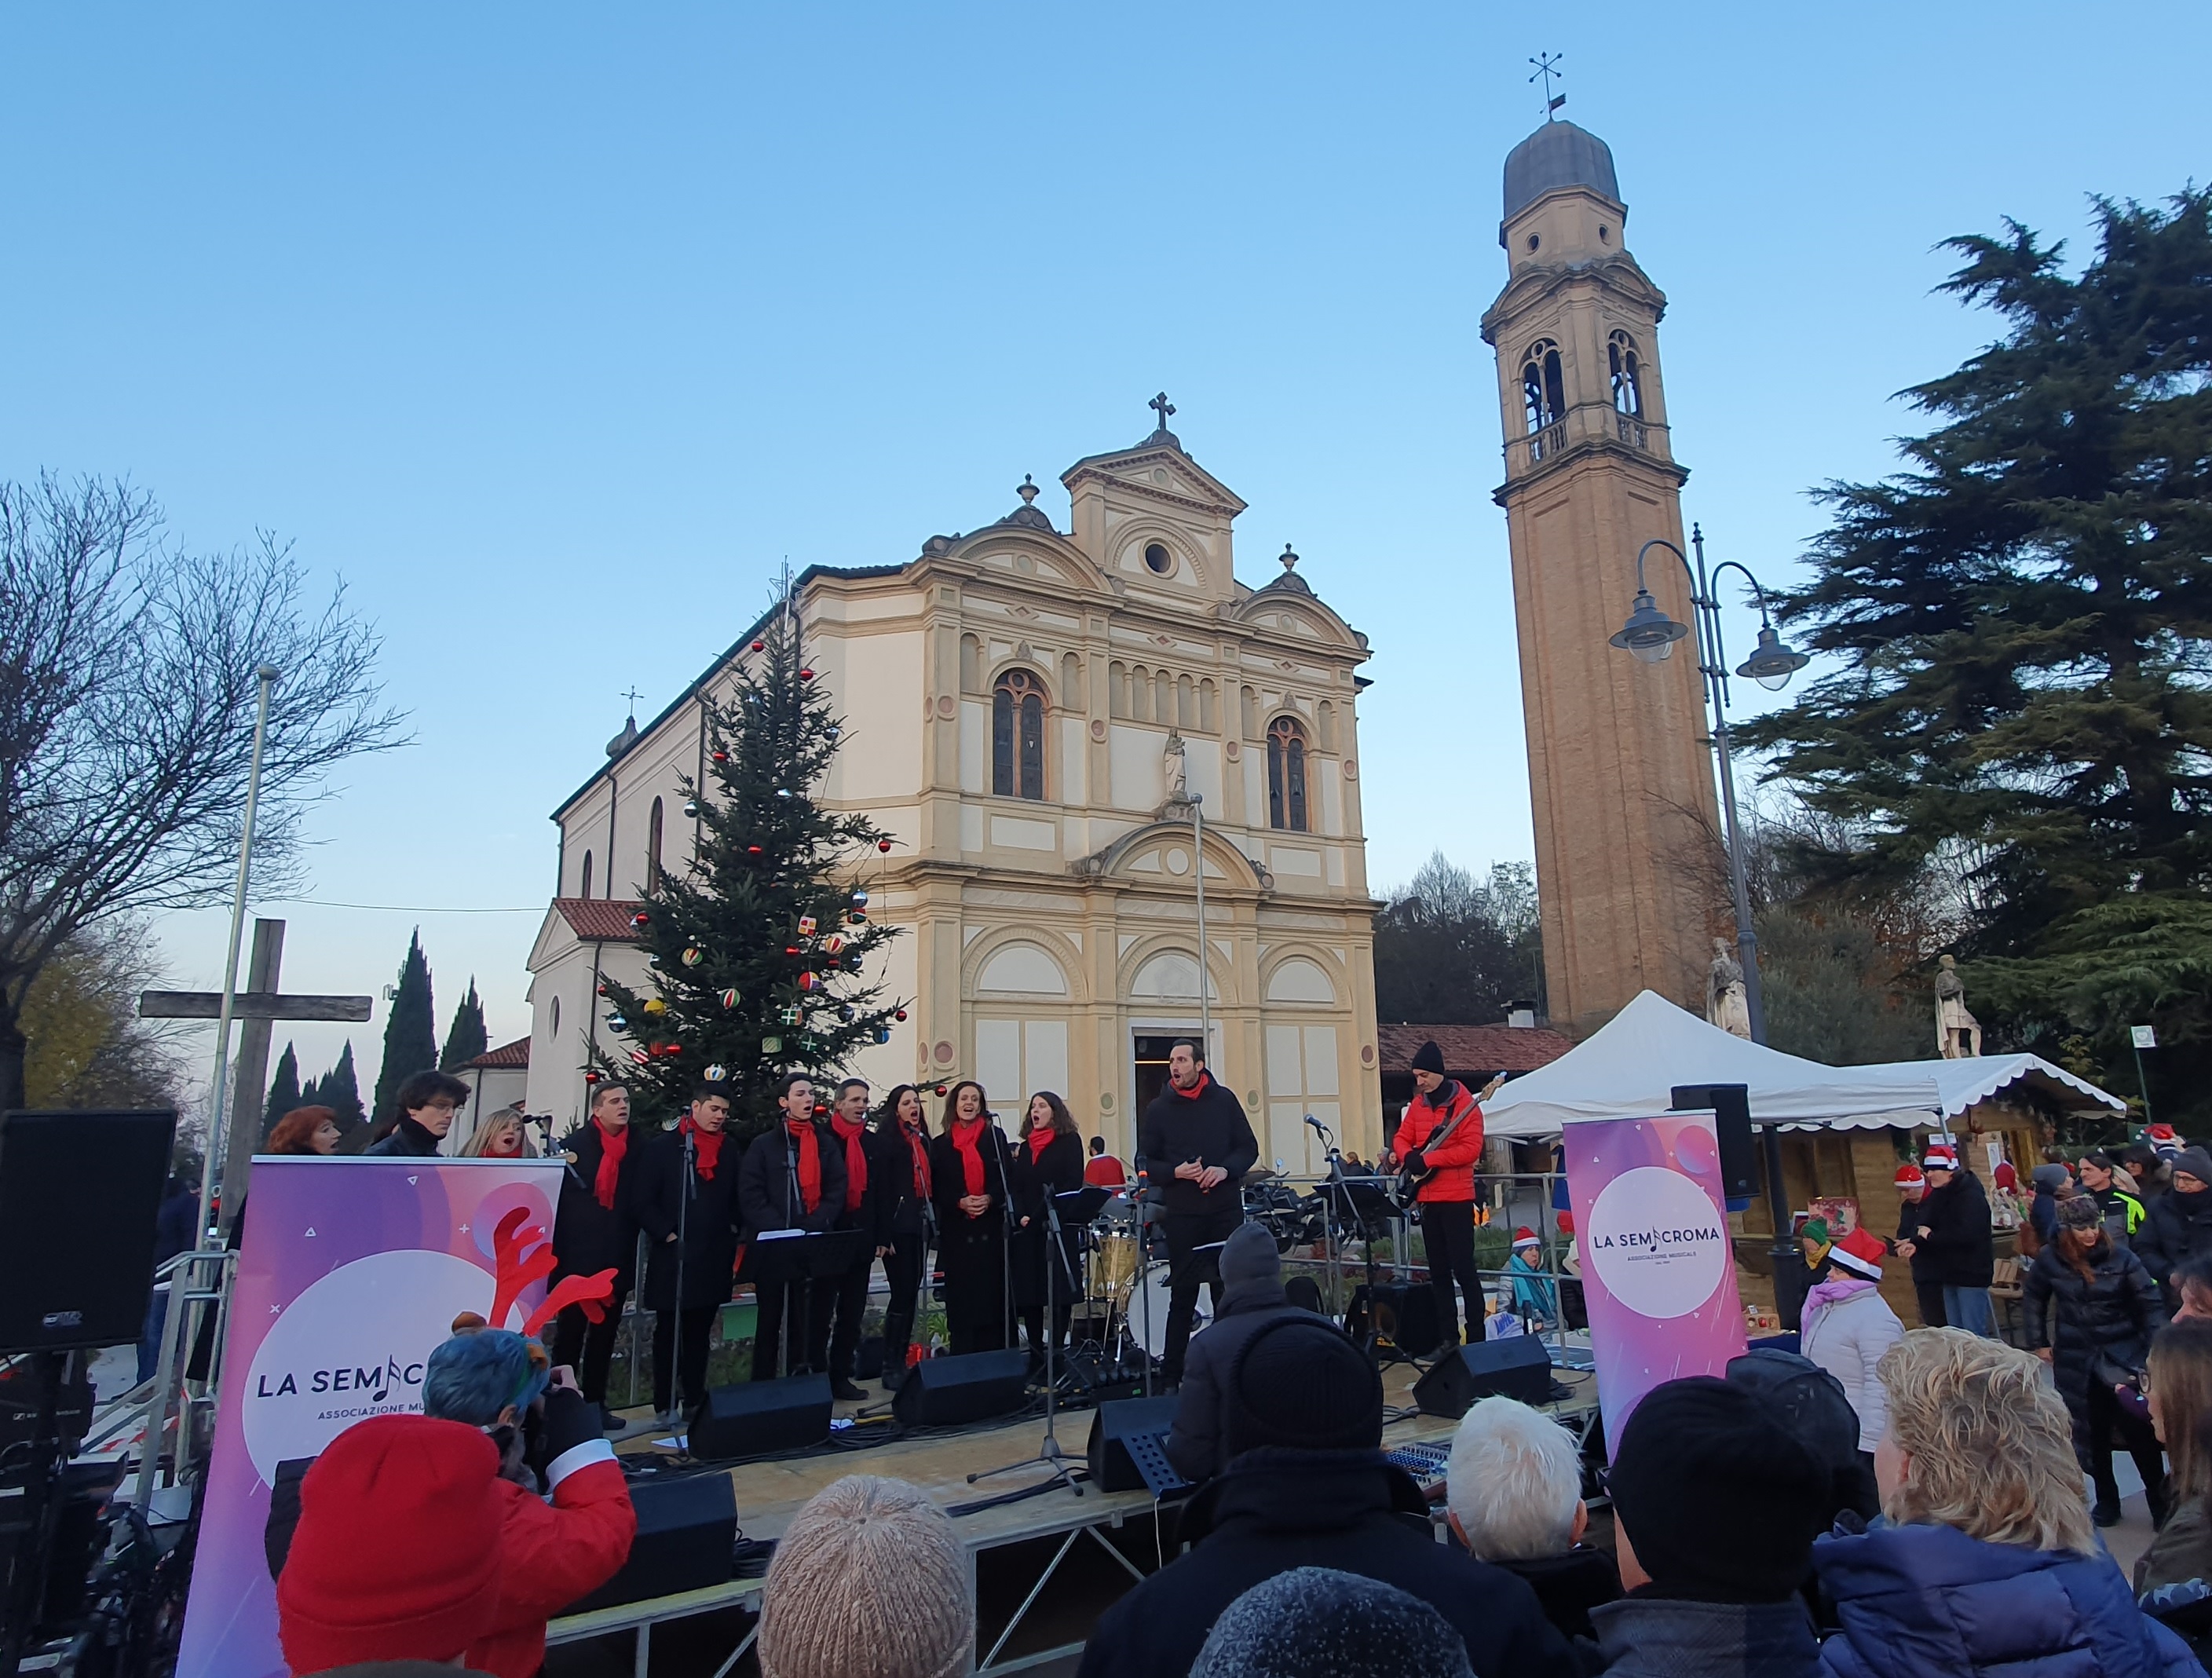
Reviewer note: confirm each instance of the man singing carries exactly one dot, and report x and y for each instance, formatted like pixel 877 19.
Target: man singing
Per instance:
pixel 1196 1140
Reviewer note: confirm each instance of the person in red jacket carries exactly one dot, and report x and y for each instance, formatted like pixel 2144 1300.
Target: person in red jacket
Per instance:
pixel 1447 1191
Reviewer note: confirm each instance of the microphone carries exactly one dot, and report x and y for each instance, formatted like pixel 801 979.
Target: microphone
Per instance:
pixel 1316 1124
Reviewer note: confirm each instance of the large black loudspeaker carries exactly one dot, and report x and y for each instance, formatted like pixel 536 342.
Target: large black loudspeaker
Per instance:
pixel 1519 1366
pixel 1731 1105
pixel 79 1195
pixel 1112 1425
pixel 759 1418
pixel 1403 1313
pixel 687 1532
pixel 942 1392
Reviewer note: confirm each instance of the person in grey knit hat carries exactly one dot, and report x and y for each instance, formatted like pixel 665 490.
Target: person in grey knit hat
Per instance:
pixel 869 1581
pixel 1314 1623
pixel 1251 1297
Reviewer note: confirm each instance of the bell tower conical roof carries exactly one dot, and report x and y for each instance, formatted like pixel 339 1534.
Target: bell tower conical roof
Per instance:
pixel 1557 155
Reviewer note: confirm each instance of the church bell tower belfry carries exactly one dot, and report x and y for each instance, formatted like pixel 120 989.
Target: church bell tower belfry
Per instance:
pixel 1620 781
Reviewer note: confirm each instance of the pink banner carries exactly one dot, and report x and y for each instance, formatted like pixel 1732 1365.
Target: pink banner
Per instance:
pixel 350 1276
pixel 1658 1274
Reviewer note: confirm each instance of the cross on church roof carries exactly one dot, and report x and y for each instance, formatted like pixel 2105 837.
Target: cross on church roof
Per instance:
pixel 1160 406
pixel 633 696
pixel 1547 67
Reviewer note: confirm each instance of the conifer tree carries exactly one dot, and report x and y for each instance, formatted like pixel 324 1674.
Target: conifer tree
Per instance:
pixel 284 1092
pixel 466 1038
pixel 339 1089
pixel 760 953
pixel 410 1044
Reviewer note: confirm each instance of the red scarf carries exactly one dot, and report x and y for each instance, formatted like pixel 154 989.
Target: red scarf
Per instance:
pixel 1196 1090
pixel 967 1138
pixel 613 1145
pixel 918 1144
pixel 810 1160
pixel 708 1143
pixel 856 1159
pixel 1040 1139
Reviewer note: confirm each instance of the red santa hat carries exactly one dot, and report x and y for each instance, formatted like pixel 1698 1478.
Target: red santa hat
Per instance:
pixel 1860 1254
pixel 1910 1176
pixel 1525 1236
pixel 1566 1222
pixel 2007 1178
pixel 1939 1156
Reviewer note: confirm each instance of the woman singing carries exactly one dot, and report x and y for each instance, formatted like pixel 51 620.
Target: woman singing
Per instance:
pixel 966 1170
pixel 898 1158
pixel 1047 1160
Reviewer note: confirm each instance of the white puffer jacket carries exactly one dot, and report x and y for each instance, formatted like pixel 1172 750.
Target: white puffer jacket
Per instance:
pixel 1847 1338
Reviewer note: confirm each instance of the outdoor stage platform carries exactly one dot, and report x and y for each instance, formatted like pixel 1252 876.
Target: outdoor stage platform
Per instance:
pixel 1016 1550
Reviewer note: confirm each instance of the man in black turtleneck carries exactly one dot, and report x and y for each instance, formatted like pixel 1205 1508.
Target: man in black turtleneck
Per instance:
pixel 1197 1142
pixel 427 1102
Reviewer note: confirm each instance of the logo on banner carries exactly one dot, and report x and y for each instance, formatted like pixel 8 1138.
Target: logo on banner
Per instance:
pixel 1656 1241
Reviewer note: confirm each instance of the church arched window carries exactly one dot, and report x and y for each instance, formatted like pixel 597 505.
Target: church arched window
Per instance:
pixel 586 891
pixel 1018 736
pixel 1626 368
pixel 653 849
pixel 1287 775
pixel 1543 386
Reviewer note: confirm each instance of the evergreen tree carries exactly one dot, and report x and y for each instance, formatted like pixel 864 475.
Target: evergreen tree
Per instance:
pixel 2022 615
pixel 760 952
pixel 1454 950
pixel 284 1092
pixel 466 1038
pixel 410 1044
pixel 339 1089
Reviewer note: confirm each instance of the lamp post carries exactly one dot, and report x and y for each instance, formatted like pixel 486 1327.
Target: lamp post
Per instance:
pixel 1650 635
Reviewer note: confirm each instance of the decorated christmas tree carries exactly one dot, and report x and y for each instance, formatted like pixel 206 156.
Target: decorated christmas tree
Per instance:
pixel 762 952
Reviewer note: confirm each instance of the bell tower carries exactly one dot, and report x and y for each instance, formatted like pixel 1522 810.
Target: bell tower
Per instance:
pixel 1621 781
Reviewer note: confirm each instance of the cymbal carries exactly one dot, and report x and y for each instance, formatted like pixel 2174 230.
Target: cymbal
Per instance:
pixel 1257 1174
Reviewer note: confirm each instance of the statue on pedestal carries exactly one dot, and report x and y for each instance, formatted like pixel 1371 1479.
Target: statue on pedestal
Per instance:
pixel 1726 1005
pixel 1176 769
pixel 1958 1033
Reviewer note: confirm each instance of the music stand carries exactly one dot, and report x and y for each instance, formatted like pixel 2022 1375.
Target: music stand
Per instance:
pixel 1082 1204
pixel 777 1258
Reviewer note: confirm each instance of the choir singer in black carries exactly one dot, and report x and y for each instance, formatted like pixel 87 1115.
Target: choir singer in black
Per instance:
pixel 686 1204
pixel 899 1171
pixel 792 1179
pixel 1196 1141
pixel 967 1169
pixel 1047 1160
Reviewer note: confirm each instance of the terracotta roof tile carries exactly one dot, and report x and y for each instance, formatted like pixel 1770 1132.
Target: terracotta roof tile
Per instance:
pixel 1469 1049
pixel 600 920
pixel 507 1055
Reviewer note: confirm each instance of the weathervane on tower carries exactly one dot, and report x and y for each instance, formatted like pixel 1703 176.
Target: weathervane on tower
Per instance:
pixel 1547 67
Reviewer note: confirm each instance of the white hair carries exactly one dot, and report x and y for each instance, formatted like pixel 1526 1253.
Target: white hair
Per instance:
pixel 1514 1481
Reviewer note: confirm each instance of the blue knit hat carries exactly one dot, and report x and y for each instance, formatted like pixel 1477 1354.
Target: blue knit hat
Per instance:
pixel 479 1373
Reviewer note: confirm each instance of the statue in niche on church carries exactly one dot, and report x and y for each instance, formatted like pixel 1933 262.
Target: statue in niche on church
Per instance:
pixel 1726 1005
pixel 1958 1033
pixel 1174 767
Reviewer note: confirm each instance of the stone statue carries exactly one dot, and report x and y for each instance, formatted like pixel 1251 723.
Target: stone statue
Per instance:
pixel 1726 1005
pixel 1171 762
pixel 1958 1033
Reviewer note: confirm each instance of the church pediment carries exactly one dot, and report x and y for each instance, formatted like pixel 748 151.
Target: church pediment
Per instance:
pixel 1163 853
pixel 1296 612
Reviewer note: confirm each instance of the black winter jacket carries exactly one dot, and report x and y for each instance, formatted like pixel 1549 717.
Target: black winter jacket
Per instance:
pixel 957 1232
pixel 2116 1313
pixel 764 1185
pixel 891 1182
pixel 1210 1127
pixel 588 1238
pixel 2175 1226
pixel 1276 1510
pixel 707 1218
pixel 1922 1262
pixel 404 1140
pixel 1957 1244
pixel 1195 1442
pixel 1060 1172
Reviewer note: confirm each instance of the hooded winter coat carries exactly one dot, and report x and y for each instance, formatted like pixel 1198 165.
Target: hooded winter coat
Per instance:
pixel 1929 1601
pixel 2175 1226
pixel 1846 1336
pixel 1247 1304
pixel 1274 1510
pixel 2115 1311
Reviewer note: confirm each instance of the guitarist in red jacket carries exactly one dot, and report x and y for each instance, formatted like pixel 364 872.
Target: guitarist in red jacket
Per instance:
pixel 1439 1140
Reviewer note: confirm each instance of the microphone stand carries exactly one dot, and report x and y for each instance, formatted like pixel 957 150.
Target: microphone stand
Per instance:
pixel 1007 1236
pixel 1332 1202
pixel 676 1393
pixel 793 1211
pixel 1049 1455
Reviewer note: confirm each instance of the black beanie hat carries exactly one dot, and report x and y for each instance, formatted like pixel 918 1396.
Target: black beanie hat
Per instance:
pixel 1314 1623
pixel 1720 1502
pixel 1428 1058
pixel 1301 1382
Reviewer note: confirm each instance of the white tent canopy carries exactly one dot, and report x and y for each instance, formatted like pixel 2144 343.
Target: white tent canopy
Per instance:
pixel 1629 1068
pixel 1962 1084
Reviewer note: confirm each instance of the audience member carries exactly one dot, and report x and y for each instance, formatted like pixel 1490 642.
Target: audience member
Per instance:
pixel 2090 1310
pixel 2052 1183
pixel 1535 1298
pixel 1514 1489
pixel 1715 1510
pixel 1252 1296
pixel 1810 1405
pixel 2105 1181
pixel 1847 1325
pixel 2181 1412
pixel 2146 1171
pixel 1912 1189
pixel 1953 1231
pixel 2178 1224
pixel 1104 1171
pixel 174 1232
pixel 1989 1561
pixel 2191 1297
pixel 1306 1486
pixel 423 1112
pixel 1314 1623
pixel 870 1578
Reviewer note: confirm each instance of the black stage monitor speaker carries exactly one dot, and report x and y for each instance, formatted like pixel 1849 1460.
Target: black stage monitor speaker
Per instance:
pixel 79 1195
pixel 1113 1424
pixel 687 1533
pixel 1519 1366
pixel 1402 1313
pixel 1731 1105
pixel 942 1392
pixel 758 1418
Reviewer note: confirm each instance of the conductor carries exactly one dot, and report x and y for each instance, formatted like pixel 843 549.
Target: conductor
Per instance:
pixel 1196 1139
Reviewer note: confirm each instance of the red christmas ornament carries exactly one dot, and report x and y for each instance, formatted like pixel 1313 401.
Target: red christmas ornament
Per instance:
pixel 883 844
pixel 810 982
pixel 806 675
pixel 721 757
pixel 752 850
pixel 899 1015
pixel 603 990
pixel 791 949
pixel 641 1055
pixel 591 1078
pixel 940 1089
pixel 760 647
pixel 640 918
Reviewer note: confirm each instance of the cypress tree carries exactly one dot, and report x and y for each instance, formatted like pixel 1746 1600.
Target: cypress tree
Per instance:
pixel 339 1089
pixel 284 1092
pixel 411 1043
pixel 466 1038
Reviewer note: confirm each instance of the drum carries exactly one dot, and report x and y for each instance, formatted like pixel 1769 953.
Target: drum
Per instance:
pixel 1148 1311
pixel 1117 1265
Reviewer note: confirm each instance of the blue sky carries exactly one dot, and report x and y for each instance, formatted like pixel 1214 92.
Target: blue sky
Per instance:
pixel 554 331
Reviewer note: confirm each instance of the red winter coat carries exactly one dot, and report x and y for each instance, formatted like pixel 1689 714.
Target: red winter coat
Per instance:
pixel 551 1553
pixel 1452 1165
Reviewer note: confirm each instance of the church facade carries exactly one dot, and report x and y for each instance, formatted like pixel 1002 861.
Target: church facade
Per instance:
pixel 1047 720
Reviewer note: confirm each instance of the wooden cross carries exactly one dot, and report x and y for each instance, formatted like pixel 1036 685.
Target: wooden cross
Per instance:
pixel 1160 406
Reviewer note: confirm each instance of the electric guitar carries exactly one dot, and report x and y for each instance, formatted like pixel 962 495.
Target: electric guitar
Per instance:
pixel 1409 1180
